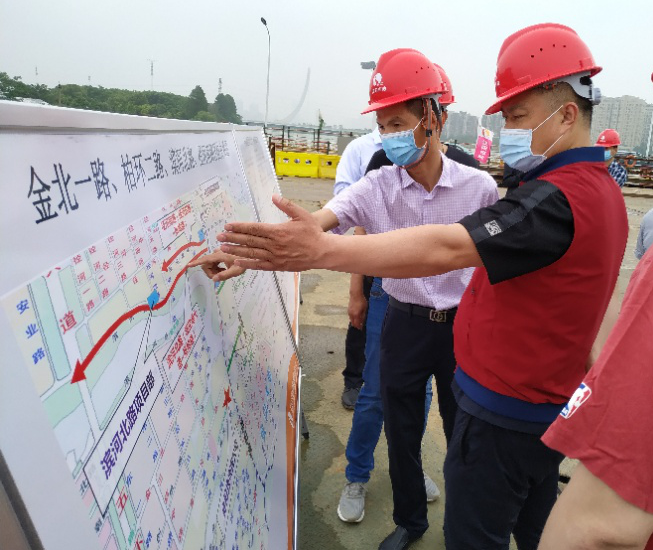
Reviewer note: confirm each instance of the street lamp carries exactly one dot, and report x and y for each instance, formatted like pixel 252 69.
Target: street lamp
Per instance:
pixel 267 89
pixel 370 65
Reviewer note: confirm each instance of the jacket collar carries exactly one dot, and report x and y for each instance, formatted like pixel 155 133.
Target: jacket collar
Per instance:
pixel 570 156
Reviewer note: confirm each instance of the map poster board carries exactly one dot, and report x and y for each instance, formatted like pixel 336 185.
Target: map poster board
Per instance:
pixel 141 405
pixel 262 180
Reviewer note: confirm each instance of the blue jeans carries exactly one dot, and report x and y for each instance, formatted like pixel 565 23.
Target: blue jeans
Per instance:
pixel 367 421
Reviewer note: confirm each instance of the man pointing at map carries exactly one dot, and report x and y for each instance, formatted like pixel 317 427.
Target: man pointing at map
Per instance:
pixel 547 257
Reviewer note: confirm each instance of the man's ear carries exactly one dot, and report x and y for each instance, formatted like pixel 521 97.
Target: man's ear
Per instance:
pixel 570 113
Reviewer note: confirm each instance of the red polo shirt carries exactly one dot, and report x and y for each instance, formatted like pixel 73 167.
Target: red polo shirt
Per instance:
pixel 608 424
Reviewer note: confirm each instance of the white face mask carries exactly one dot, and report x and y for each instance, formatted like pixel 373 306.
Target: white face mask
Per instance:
pixel 515 147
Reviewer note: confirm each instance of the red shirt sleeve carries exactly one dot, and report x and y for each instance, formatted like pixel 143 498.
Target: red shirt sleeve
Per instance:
pixel 608 423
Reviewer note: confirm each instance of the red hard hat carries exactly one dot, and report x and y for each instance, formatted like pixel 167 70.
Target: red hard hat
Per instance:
pixel 536 55
pixel 401 75
pixel 447 98
pixel 608 138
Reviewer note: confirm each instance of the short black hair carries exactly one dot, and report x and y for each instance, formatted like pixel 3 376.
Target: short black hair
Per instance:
pixel 562 92
pixel 416 107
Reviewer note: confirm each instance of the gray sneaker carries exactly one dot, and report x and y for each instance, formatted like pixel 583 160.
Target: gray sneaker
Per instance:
pixel 351 507
pixel 432 491
pixel 349 397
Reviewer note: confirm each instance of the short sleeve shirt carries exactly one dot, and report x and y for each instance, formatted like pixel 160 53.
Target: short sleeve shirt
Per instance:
pixel 608 423
pixel 619 173
pixel 530 228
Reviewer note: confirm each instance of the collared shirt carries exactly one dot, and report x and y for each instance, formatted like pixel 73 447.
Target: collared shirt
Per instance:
pixel 388 199
pixel 354 160
pixel 618 173
pixel 453 152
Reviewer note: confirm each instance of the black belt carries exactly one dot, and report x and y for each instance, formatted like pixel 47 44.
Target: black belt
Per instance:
pixel 435 315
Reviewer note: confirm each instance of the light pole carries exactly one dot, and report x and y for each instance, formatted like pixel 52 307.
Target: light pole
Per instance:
pixel 267 89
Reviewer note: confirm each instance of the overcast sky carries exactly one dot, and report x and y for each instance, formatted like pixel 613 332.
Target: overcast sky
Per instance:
pixel 198 41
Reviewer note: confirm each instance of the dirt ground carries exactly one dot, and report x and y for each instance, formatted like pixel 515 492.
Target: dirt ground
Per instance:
pixel 323 322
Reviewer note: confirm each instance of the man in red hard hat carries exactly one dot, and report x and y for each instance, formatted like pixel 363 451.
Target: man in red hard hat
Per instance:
pixel 379 158
pixel 422 186
pixel 609 139
pixel 547 257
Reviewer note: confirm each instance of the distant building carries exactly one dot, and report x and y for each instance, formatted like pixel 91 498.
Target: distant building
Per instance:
pixel 494 123
pixel 460 126
pixel 630 116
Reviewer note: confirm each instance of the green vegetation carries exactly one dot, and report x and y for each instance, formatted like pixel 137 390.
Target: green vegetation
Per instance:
pixel 115 100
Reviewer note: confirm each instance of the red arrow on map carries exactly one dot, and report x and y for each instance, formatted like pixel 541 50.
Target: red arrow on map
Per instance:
pixel 81 366
pixel 168 263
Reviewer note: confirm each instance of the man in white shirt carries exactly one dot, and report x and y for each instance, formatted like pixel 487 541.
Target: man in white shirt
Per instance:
pixel 355 158
pixel 351 168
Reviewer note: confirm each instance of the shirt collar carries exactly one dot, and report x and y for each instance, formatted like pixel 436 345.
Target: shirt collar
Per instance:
pixel 570 156
pixel 376 135
pixel 445 177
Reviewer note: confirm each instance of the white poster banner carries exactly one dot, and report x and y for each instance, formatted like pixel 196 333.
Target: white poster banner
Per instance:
pixel 172 400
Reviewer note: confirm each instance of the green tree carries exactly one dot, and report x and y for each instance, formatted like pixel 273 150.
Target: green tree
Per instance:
pixel 224 109
pixel 204 116
pixel 13 88
pixel 115 100
pixel 196 102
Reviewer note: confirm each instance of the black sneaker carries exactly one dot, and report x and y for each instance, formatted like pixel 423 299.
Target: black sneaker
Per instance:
pixel 349 397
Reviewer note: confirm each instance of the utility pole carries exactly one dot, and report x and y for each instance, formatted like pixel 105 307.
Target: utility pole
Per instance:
pixel 152 73
pixel 219 86
pixel 650 129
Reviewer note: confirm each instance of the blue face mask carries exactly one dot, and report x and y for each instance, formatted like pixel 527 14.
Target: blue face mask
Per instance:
pixel 400 147
pixel 515 147
pixel 607 155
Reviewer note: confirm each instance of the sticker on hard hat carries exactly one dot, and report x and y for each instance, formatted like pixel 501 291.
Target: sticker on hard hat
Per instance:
pixel 580 396
pixel 378 85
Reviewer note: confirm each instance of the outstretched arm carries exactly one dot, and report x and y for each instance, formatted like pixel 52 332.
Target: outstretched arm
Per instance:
pixel 219 265
pixel 301 244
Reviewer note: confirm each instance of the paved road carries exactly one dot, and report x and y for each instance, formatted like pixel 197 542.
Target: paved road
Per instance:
pixel 323 319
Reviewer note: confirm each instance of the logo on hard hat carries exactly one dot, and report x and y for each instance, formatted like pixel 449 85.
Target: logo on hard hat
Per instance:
pixel 602 138
pixel 377 84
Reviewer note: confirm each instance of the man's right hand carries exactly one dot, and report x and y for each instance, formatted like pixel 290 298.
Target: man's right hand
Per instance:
pixel 218 266
pixel 357 310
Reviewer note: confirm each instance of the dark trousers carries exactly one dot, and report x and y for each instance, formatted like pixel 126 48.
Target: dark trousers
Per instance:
pixel 498 482
pixel 412 349
pixel 355 348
